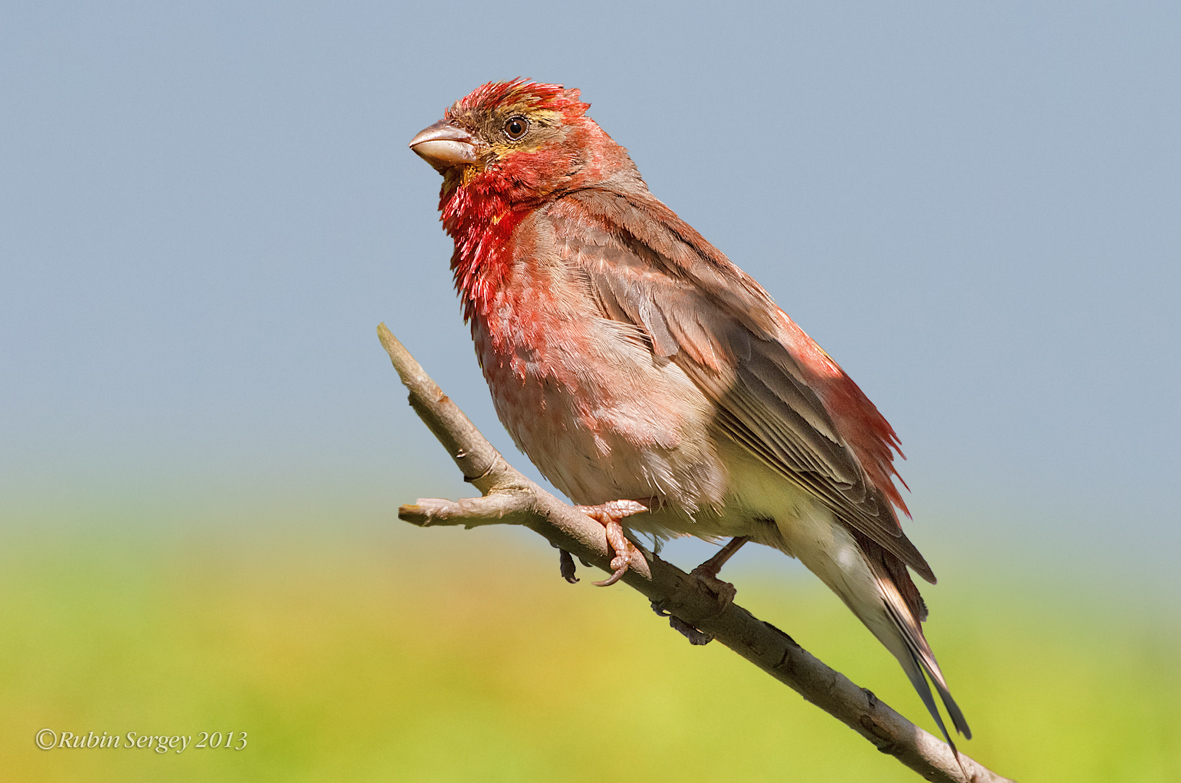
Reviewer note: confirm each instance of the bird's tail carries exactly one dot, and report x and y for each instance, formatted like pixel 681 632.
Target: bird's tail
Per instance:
pixel 895 619
pixel 910 647
pixel 876 586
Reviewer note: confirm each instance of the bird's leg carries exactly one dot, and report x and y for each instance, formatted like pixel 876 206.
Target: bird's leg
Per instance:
pixel 707 572
pixel 707 575
pixel 713 566
pixel 609 515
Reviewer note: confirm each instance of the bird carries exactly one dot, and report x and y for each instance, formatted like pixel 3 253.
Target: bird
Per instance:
pixel 651 380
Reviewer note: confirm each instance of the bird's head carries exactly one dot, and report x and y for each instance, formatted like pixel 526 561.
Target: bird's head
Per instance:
pixel 520 141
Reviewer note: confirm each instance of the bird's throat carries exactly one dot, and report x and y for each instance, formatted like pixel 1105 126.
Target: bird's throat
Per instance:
pixel 482 224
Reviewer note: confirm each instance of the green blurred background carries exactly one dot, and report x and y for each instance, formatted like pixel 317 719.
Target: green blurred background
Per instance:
pixel 206 209
pixel 352 647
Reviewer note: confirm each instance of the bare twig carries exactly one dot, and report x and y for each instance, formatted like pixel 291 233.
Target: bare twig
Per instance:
pixel 511 498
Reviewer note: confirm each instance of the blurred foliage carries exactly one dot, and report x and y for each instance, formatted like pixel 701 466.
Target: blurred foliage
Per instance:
pixel 363 651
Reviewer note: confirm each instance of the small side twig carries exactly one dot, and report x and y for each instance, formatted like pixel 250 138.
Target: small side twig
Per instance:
pixel 511 498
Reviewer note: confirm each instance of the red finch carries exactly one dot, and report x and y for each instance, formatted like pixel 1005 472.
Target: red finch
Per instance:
pixel 651 379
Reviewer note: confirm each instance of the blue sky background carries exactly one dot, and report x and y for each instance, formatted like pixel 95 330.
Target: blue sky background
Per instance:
pixel 206 210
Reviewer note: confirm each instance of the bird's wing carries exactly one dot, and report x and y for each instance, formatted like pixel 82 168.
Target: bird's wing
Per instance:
pixel 647 268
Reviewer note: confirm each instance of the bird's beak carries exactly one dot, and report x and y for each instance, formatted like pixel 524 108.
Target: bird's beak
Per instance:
pixel 444 146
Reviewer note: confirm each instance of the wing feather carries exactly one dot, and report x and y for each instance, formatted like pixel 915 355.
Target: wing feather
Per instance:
pixel 647 268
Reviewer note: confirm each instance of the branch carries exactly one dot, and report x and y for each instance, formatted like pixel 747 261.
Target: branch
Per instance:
pixel 511 498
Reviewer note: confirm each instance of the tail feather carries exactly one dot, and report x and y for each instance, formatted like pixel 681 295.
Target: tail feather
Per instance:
pixel 903 633
pixel 920 661
pixel 877 587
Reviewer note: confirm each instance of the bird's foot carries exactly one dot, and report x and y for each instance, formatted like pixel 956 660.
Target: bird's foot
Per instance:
pixel 695 636
pixel 566 565
pixel 688 630
pixel 724 591
pixel 609 515
pixel 707 573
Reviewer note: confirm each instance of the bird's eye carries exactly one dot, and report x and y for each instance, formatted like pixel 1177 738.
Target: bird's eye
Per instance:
pixel 515 128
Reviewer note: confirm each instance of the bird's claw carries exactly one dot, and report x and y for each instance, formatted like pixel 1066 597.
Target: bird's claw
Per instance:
pixel 624 552
pixel 566 566
pixel 608 515
pixel 689 631
pixel 695 636
pixel 706 574
pixel 724 591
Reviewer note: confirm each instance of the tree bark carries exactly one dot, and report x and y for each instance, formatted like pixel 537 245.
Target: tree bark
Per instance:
pixel 511 498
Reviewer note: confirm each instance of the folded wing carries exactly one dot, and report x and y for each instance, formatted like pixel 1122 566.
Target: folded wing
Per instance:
pixel 648 269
